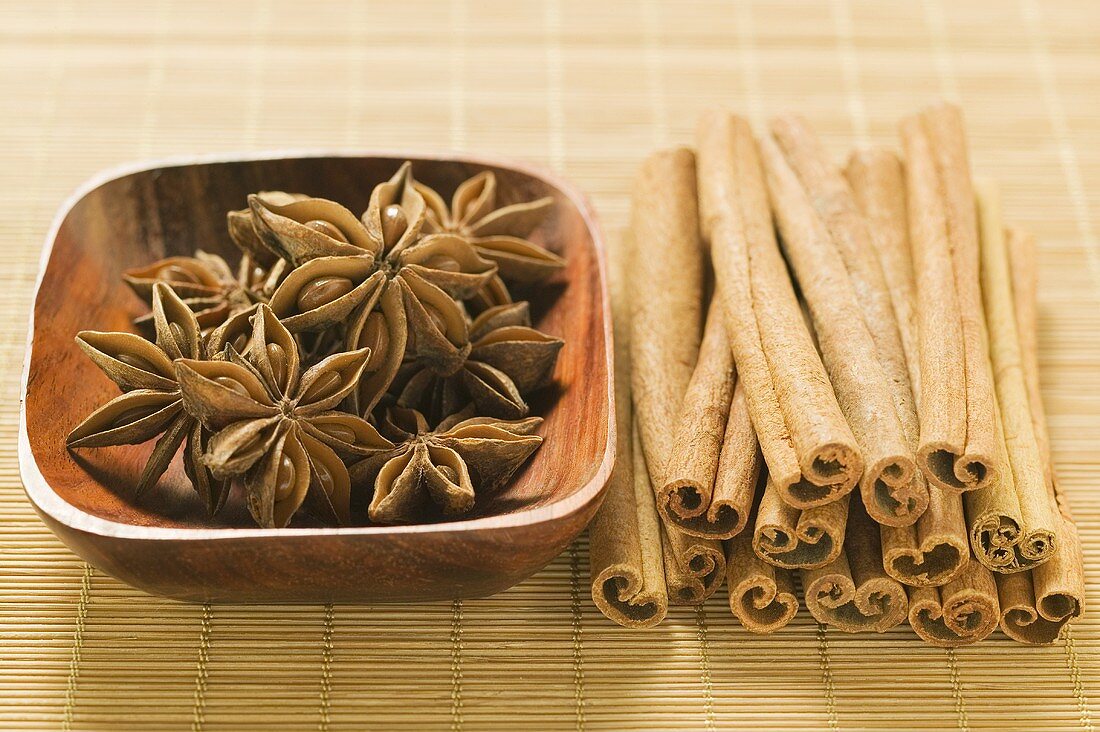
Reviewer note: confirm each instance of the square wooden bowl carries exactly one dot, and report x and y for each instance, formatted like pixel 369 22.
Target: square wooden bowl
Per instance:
pixel 165 543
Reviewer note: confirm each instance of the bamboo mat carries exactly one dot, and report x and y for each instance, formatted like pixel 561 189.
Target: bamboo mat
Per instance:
pixel 588 88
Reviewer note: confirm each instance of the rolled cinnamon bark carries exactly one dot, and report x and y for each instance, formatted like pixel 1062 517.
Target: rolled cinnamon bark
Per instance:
pixel 878 182
pixel 694 567
pixel 1036 605
pixel 828 243
pixel 853 593
pixel 1013 523
pixel 666 285
pixel 1023 263
pixel 958 447
pixel 963 611
pixel 625 555
pixel 715 462
pixel 761 595
pixel 808 446
pixel 795 538
pixel 937 547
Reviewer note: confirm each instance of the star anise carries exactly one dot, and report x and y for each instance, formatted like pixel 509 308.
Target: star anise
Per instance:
pixel 410 295
pixel 498 234
pixel 151 404
pixel 508 359
pixel 275 429
pixel 440 471
pixel 207 284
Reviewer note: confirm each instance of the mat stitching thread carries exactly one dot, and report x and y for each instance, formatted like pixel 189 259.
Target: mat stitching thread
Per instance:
pixel 198 712
pixel 1073 663
pixel 456 666
pixel 957 691
pixel 704 668
pixel 78 644
pixel 578 643
pixel 827 676
pixel 326 666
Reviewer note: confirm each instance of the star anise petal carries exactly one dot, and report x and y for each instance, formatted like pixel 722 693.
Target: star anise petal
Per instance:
pixel 450 263
pixel 221 392
pixel 325 385
pixel 177 330
pixel 395 213
pixel 129 419
pixel 384 330
pixel 518 260
pixel 313 227
pixel 128 360
pixel 324 292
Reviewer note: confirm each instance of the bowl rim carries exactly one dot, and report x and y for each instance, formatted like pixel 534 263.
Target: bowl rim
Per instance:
pixel 47 501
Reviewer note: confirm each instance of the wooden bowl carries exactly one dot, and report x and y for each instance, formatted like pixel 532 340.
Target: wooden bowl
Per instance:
pixel 165 543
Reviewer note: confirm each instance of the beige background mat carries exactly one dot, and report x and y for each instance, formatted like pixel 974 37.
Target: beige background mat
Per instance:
pixel 588 88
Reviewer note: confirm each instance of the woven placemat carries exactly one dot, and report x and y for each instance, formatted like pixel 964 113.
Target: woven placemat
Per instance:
pixel 587 88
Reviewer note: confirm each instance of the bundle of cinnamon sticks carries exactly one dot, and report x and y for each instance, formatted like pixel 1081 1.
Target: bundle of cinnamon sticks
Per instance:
pixel 827 378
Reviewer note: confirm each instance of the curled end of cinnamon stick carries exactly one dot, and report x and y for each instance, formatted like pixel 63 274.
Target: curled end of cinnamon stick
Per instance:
pixel 954 470
pixel 693 568
pixel 761 596
pixel 830 471
pixel 894 491
pixel 876 605
pixel 795 539
pixel 961 612
pixel 935 562
pixel 618 593
pixel 1030 620
pixel 679 505
pixel 999 544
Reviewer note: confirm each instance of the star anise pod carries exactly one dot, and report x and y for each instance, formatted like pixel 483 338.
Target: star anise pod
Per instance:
pixel 244 235
pixel 151 404
pixel 276 429
pixel 207 284
pixel 508 359
pixel 410 296
pixel 440 471
pixel 499 234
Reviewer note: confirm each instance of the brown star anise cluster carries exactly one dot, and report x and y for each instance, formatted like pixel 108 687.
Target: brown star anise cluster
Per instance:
pixel 378 356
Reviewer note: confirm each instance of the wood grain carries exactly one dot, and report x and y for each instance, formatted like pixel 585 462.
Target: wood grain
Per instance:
pixel 164 543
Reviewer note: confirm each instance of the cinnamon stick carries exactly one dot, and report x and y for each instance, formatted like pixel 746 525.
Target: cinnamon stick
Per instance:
pixel 1036 605
pixel 626 559
pixel 761 595
pixel 828 243
pixel 666 284
pixel 853 593
pixel 808 446
pixel 715 462
pixel 936 548
pixel 694 567
pixel 1013 522
pixel 958 448
pixel 963 611
pixel 798 538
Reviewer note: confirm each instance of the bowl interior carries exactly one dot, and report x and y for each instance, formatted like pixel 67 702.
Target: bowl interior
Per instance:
pixel 150 214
